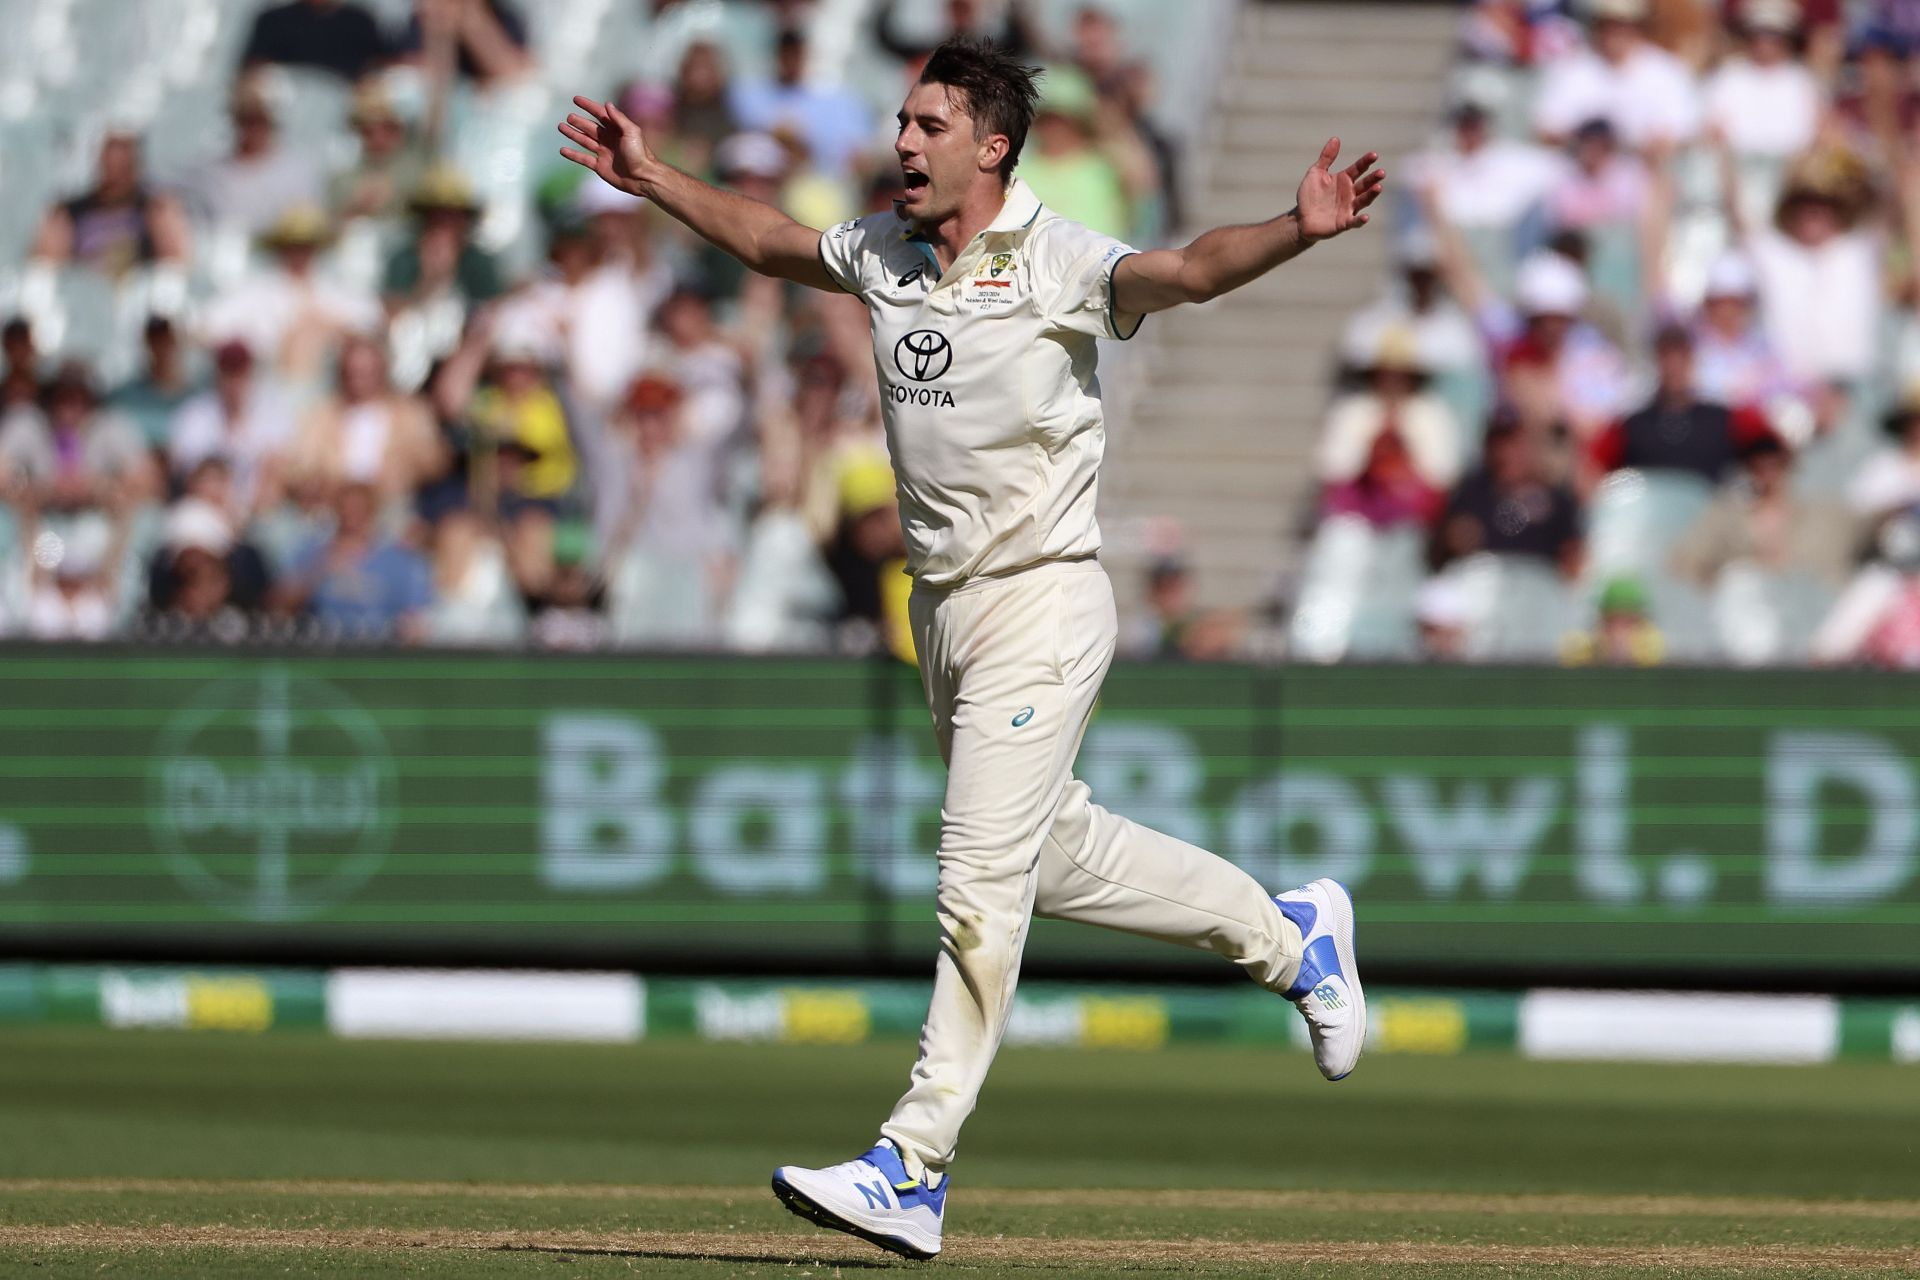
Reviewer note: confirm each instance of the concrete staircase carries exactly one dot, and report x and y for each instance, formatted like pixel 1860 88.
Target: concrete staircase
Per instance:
pixel 1221 431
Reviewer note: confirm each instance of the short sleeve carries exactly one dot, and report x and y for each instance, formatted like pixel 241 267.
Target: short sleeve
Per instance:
pixel 840 248
pixel 1077 293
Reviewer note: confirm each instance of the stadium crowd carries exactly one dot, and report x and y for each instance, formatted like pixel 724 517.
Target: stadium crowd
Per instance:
pixel 1646 384
pixel 348 412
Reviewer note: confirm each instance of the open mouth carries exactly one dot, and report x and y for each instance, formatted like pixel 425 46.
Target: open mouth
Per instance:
pixel 913 179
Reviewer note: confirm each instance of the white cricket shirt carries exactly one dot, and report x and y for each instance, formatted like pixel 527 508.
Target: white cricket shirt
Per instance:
pixel 987 382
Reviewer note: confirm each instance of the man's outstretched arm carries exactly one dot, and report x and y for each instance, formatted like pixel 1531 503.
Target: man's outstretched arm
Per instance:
pixel 1225 258
pixel 761 236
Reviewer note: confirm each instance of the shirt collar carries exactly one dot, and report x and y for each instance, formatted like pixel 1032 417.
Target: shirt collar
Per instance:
pixel 1017 212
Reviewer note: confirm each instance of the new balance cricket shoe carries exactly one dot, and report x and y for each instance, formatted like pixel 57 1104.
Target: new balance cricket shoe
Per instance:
pixel 1327 992
pixel 873 1197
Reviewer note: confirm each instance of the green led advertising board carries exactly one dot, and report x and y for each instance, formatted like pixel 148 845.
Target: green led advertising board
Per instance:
pixel 637 810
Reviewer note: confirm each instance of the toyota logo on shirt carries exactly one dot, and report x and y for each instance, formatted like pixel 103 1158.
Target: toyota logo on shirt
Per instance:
pixel 923 355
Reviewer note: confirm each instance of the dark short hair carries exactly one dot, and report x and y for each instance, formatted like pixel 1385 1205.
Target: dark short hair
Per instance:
pixel 994 87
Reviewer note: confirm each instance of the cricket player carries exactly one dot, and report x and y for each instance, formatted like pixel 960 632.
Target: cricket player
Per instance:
pixel 985 308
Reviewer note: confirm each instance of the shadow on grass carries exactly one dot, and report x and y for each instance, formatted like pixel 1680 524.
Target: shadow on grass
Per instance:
pixel 710 1255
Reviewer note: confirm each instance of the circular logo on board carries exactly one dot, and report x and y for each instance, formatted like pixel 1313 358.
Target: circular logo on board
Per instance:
pixel 271 796
pixel 923 355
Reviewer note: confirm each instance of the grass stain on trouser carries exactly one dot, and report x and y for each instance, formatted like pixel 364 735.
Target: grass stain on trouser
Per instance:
pixel 1012 668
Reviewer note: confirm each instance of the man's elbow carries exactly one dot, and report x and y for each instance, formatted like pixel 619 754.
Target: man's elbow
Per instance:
pixel 1194 286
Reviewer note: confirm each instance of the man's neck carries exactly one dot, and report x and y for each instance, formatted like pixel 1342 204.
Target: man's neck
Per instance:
pixel 956 231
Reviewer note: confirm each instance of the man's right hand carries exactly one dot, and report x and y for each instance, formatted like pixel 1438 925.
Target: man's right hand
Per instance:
pixel 608 143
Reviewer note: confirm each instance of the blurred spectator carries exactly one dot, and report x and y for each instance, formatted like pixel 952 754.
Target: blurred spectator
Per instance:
pixel 1518 33
pixel 667 525
pixel 1603 187
pixel 1483 184
pixel 119 223
pixel 1876 620
pixel 1818 270
pixel 1014 32
pixel 260 179
pixel 523 464
pixel 867 556
pixel 388 166
pixel 1763 100
pixel 20 384
pixel 1072 165
pixel 475 601
pixel 755 165
pixel 833 121
pixel 74 577
pixel 707 369
pixel 286 310
pixel 702 114
pixel 151 398
pixel 601 288
pixel 442 260
pixel 1444 338
pixel 1643 91
pixel 69 454
pixel 1173 626
pixel 366 433
pixel 1677 430
pixel 1389 451
pixel 1757 519
pixel 357 583
pixel 486 40
pixel 1440 618
pixel 205 575
pixel 1623 636
pixel 1734 363
pixel 1551 365
pixel 1510 506
pixel 339 36
pixel 571 614
pixel 782 593
pixel 244 419
pixel 1889 479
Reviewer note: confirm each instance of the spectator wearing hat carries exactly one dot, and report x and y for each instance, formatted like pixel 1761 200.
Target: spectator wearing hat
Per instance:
pixel 357 583
pixel 1604 187
pixel 367 433
pixel 244 418
pixel 388 165
pixel 1390 450
pixel 337 36
pixel 287 311
pixel 152 397
pixel 205 575
pixel 485 41
pixel 1876 620
pixel 833 121
pixel 1763 100
pixel 117 224
pixel 1623 634
pixel 1818 269
pixel 1511 506
pixel 68 454
pixel 755 165
pixel 259 179
pixel 1758 519
pixel 1621 76
pixel 442 259
pixel 572 613
pixel 1083 167
pixel 1734 364
pixel 1445 340
pixel 1440 618
pixel 1677 430
pixel 1556 369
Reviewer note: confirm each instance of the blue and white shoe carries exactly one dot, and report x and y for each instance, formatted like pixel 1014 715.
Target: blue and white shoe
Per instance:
pixel 1327 992
pixel 873 1197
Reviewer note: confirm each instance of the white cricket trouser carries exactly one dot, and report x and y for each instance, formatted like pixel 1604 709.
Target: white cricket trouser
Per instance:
pixel 1012 667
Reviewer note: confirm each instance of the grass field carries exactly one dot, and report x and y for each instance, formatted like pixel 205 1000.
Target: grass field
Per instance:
pixel 160 1154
